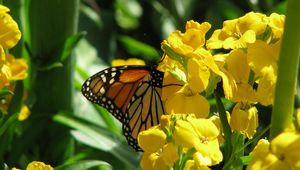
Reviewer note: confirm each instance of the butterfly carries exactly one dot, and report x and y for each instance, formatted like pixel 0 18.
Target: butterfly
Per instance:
pixel 132 94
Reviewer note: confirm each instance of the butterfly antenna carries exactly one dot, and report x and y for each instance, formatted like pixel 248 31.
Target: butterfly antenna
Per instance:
pixel 167 85
pixel 163 57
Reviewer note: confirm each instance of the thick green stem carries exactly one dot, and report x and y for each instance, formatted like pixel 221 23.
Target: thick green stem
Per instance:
pixel 287 71
pixel 51 22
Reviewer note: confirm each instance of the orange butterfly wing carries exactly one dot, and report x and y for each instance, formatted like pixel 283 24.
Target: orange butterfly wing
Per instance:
pixel 131 93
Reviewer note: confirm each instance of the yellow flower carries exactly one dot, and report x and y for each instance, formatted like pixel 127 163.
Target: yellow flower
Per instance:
pixel 192 165
pixel 146 138
pixel 276 22
pixel 192 65
pixel 130 61
pixel 24 113
pixel 262 158
pixel 286 147
pixel 158 154
pixel 168 90
pixel 14 168
pixel 206 67
pixel 262 58
pixel 184 101
pixel 5 74
pixel 18 67
pixel 198 75
pixel 229 84
pixel 261 54
pixel 202 135
pixel 152 161
pixel 200 68
pixel 184 134
pixel 3 9
pixel 216 120
pixel 12 69
pixel 36 165
pixel 169 154
pixel 9 30
pixel 281 153
pixel 298 117
pixel 237 33
pixel 167 121
pixel 238 67
pixel 206 144
pixel 186 43
pixel 266 86
pixel 244 118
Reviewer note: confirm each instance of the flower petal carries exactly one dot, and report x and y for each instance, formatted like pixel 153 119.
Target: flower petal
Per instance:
pixel 146 138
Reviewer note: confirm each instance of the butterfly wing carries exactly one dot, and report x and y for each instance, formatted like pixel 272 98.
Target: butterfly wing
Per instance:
pixel 131 93
pixel 145 108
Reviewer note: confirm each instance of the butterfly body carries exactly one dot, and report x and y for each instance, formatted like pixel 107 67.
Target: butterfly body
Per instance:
pixel 131 93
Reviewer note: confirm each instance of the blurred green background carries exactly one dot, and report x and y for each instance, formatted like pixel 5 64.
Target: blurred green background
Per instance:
pixel 65 42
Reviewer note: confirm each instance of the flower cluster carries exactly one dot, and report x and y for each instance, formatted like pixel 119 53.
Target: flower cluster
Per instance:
pixel 282 152
pixel 243 55
pixel 11 69
pixel 36 165
pixel 182 141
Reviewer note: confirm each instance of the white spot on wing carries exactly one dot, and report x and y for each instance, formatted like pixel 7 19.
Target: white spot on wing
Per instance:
pixel 102 90
pixel 104 79
pixel 111 81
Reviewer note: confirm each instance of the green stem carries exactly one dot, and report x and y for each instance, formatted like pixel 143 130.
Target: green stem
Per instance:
pixel 287 71
pixel 225 126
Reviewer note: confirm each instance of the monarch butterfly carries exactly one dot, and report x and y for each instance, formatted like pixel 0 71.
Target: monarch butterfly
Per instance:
pixel 132 94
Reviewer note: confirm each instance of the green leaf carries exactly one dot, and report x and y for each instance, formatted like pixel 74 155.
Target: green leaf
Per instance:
pixel 50 66
pixel 107 118
pixel 91 14
pixel 178 74
pixel 240 162
pixel 139 48
pixel 175 56
pixel 5 166
pixel 5 92
pixel 226 128
pixel 99 138
pixel 70 44
pixel 246 159
pixel 128 13
pixel 89 132
pixel 11 120
pixel 280 7
pixel 257 136
pixel 82 165
pixel 65 52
